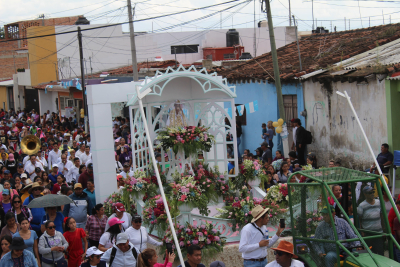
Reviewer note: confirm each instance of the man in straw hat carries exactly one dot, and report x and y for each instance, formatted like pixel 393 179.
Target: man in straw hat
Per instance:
pixel 254 240
pixel 37 213
pixel 284 256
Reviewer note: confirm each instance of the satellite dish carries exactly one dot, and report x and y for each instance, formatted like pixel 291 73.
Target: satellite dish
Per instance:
pixel 304 113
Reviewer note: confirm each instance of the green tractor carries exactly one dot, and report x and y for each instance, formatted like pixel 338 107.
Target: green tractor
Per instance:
pixel 368 240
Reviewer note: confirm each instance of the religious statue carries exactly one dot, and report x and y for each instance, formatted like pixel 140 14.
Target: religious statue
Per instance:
pixel 176 116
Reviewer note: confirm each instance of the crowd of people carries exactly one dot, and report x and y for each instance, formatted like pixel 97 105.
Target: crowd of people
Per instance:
pixel 78 234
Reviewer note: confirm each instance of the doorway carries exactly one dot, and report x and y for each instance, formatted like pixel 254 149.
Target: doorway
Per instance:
pixel 290 105
pixel 32 100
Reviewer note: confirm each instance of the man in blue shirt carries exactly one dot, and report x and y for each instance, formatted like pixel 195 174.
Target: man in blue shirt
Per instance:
pixel 89 190
pixel 384 159
pixel 325 231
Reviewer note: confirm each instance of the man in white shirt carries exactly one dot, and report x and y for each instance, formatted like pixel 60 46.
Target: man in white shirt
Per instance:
pixel 284 256
pixel 64 166
pixel 126 171
pixel 54 155
pixel 86 156
pixel 31 165
pixel 41 159
pixel 81 150
pixel 73 172
pixel 89 161
pixel 254 242
pixel 48 116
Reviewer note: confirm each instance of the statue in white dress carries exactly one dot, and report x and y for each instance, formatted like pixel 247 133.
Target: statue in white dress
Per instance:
pixel 176 116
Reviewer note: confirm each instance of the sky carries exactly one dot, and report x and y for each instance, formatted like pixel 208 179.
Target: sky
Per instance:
pixel 239 14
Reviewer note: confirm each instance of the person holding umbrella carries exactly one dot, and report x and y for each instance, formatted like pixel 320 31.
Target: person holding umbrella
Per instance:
pixel 53 215
pixel 37 213
pixel 19 256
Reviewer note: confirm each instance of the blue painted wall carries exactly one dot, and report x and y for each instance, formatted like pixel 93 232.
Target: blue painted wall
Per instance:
pixel 265 94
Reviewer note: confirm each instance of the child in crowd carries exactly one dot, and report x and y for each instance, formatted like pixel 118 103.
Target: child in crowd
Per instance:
pixel 74 237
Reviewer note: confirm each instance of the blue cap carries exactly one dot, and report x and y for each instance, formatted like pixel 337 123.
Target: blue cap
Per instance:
pixel 6 192
pixel 6 171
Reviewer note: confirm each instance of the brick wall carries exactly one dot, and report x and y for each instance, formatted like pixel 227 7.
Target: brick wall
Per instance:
pixel 18 30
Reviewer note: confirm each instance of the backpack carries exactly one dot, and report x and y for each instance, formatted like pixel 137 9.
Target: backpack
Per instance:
pixel 308 137
pixel 114 251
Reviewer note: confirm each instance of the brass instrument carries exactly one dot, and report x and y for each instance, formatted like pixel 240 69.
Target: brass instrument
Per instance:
pixel 30 144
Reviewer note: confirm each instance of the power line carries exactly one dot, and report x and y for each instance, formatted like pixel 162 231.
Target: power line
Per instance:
pixel 122 23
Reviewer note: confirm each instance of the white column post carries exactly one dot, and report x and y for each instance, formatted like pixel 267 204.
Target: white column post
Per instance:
pixel 140 96
pixel 102 150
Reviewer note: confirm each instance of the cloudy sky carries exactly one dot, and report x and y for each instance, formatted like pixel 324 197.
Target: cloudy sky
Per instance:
pixel 239 14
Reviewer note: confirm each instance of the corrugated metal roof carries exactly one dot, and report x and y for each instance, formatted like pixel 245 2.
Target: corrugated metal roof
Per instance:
pixel 394 78
pixel 341 72
pixel 308 75
pixel 387 54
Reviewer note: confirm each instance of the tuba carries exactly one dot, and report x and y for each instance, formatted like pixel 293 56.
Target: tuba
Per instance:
pixel 30 144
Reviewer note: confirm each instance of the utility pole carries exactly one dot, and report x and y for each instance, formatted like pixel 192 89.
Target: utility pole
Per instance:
pixel 133 45
pixel 275 60
pixel 175 58
pixel 83 77
pixel 290 16
pixel 312 11
pixel 298 46
pixel 274 54
pixel 255 31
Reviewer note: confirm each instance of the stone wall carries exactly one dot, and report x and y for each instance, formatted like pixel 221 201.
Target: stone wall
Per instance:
pixel 336 134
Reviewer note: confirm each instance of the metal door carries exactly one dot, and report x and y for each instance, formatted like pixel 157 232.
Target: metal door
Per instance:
pixel 290 104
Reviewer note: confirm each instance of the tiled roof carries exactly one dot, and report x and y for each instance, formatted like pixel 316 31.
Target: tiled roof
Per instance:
pixel 42 86
pixel 141 65
pixel 318 51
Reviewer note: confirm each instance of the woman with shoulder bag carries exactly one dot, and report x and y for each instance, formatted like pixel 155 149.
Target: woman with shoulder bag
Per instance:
pixel 52 245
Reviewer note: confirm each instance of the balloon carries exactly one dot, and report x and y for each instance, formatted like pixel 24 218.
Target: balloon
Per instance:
pixel 278 129
pixel 280 122
pixel 275 124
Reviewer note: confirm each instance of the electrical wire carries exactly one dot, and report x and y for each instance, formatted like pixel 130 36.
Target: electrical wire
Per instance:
pixel 122 23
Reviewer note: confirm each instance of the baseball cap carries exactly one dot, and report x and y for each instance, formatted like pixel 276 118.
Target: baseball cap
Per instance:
pixel 126 164
pixel 114 221
pixel 217 264
pixel 6 192
pixel 7 171
pixel 55 165
pixel 326 209
pixel 259 149
pixel 297 169
pixel 93 251
pixel 24 175
pixel 119 207
pixel 37 169
pixel 368 189
pixel 122 238
pixel 78 185
pixel 90 166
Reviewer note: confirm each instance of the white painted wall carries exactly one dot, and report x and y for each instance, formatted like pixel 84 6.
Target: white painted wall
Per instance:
pixel 109 48
pixel 24 78
pixel 336 134
pixel 47 101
